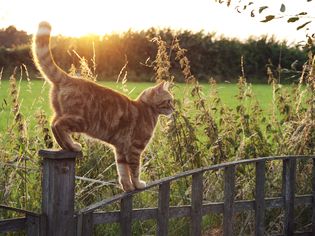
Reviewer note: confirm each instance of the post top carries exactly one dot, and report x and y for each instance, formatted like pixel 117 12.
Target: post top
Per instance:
pixel 59 154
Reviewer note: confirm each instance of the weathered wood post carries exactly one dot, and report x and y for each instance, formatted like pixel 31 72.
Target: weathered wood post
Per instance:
pixel 58 191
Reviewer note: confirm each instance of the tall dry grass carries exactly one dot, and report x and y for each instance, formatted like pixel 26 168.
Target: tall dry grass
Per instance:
pixel 202 131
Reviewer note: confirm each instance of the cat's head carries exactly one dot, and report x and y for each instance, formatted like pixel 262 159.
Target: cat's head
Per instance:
pixel 159 98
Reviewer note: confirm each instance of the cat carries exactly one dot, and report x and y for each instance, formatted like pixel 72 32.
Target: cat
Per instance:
pixel 85 107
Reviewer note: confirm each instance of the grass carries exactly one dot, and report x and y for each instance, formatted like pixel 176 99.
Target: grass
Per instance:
pixel 212 123
pixel 34 96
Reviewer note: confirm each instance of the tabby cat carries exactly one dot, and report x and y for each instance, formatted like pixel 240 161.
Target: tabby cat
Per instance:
pixel 83 106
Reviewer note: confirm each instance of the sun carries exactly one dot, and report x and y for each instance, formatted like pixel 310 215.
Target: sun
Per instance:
pixel 70 17
pixel 81 17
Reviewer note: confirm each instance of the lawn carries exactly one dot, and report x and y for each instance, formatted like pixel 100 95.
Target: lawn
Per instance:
pixel 33 95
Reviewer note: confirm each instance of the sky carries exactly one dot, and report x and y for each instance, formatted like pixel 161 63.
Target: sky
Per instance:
pixel 77 17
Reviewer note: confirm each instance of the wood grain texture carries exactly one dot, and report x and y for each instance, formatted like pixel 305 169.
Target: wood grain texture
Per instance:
pixel 59 154
pixel 126 216
pixel 153 184
pixel 229 192
pixel 58 194
pixel 85 225
pixel 260 199
pixel 9 225
pixel 289 172
pixel 185 211
pixel 196 204
pixel 313 193
pixel 33 225
pixel 163 209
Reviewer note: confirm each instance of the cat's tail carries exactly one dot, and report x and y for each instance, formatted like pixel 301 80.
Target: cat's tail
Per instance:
pixel 42 55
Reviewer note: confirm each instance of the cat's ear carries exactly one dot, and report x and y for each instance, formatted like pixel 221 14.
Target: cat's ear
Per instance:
pixel 162 86
pixel 166 85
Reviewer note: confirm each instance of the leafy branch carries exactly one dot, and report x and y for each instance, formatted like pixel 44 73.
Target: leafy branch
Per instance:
pixel 245 5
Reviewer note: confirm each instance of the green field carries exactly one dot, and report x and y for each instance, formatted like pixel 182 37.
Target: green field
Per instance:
pixel 213 126
pixel 33 95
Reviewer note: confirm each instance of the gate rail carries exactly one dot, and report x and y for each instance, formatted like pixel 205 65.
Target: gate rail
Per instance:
pixel 31 222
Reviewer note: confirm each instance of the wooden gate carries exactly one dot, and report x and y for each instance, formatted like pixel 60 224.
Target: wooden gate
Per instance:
pixel 87 217
pixel 58 216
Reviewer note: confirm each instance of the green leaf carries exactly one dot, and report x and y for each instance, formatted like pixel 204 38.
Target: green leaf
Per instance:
pixel 309 41
pixel 293 19
pixel 282 8
pixel 303 25
pixel 302 13
pixel 238 9
pixel 252 14
pixel 261 9
pixel 268 18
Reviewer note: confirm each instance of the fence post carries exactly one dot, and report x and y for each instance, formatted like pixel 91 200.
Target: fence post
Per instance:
pixel 163 209
pixel 260 198
pixel 58 191
pixel 126 216
pixel 196 204
pixel 313 193
pixel 229 192
pixel 289 170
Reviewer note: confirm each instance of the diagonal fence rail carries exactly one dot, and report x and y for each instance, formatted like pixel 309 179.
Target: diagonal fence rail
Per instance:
pixel 58 200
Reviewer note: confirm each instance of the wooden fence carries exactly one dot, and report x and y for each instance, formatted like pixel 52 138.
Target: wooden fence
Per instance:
pixel 59 218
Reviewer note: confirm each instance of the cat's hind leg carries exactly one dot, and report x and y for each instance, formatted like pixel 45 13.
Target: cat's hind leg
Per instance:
pixel 123 172
pixel 134 166
pixel 124 177
pixel 135 176
pixel 63 126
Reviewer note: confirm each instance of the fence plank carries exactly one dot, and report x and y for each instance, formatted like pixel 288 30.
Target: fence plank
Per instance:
pixel 228 209
pixel 85 224
pixel 126 216
pixel 313 193
pixel 32 225
pixel 185 210
pixel 163 209
pixel 260 199
pixel 153 184
pixel 196 204
pixel 289 169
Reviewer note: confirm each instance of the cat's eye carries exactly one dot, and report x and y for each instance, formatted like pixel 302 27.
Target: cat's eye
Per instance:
pixel 168 102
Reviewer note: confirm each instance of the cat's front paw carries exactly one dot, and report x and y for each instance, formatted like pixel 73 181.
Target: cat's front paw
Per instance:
pixel 76 147
pixel 127 186
pixel 140 184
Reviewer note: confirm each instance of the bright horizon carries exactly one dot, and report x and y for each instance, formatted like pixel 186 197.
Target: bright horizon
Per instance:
pixel 76 18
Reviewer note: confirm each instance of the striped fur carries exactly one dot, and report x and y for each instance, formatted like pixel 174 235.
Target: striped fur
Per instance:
pixel 86 107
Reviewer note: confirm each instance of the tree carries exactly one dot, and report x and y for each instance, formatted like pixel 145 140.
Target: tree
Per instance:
pixel 11 37
pixel 255 10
